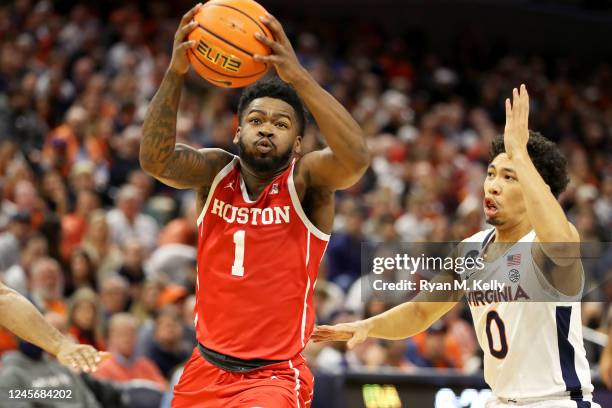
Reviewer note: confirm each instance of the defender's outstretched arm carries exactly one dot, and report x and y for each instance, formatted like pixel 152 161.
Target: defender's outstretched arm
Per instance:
pixel 20 317
pixel 543 210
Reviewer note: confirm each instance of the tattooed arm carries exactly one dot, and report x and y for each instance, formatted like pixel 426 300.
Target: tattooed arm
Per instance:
pixel 176 165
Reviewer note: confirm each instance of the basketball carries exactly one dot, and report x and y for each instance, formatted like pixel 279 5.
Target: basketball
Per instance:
pixel 225 43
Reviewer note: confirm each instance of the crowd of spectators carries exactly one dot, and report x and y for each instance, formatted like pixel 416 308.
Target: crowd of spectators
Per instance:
pixel 86 234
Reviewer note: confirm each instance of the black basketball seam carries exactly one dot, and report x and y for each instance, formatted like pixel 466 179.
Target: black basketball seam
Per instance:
pixel 240 11
pixel 220 81
pixel 224 40
pixel 223 73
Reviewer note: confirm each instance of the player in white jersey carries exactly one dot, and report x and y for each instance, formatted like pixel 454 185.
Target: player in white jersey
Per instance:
pixel 528 321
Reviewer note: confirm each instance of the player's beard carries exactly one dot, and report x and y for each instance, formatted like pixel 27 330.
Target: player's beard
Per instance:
pixel 494 221
pixel 267 164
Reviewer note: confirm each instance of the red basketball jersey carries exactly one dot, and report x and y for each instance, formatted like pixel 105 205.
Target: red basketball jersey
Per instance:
pixel 257 266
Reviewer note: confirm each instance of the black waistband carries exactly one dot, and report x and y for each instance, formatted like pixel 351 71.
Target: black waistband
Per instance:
pixel 230 363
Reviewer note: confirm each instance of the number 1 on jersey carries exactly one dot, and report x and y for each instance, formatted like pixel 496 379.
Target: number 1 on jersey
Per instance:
pixel 238 268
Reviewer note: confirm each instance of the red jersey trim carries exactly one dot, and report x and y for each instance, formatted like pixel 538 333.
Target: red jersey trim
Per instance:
pixel 224 172
pixel 295 200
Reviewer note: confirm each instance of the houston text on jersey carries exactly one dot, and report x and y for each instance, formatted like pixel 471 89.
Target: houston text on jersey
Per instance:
pixel 253 216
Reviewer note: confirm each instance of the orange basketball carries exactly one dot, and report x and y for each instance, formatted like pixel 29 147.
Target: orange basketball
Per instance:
pixel 225 42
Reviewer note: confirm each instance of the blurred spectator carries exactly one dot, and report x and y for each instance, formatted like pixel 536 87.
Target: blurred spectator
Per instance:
pixel 174 263
pixel 396 355
pixel 54 193
pixel 84 318
pixel 434 348
pixel 373 355
pixel 463 334
pixel 83 178
pixel 124 365
pixel 19 121
pixel 414 225
pixel 82 272
pixel 181 230
pixel 125 156
pixel 188 316
pixel 328 299
pixel 74 225
pixel 114 296
pixel 63 144
pixel 344 252
pixel 16 276
pixel 173 297
pixel 143 182
pixel 11 241
pixel 132 268
pixel 26 196
pixel 47 286
pixel 167 347
pixel 97 243
pixel 605 363
pixel 603 205
pixel 126 221
pixel 146 304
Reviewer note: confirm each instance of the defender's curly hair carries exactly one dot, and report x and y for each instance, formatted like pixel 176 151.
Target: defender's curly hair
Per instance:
pixel 277 89
pixel 546 158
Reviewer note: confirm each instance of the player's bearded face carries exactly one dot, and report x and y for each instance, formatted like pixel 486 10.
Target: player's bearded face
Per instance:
pixel 268 136
pixel 503 198
pixel 264 163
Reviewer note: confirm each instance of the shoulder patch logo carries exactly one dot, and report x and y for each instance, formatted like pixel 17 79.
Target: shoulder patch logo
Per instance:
pixel 514 260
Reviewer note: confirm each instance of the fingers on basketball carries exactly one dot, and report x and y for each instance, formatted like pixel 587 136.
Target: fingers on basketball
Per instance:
pixel 188 16
pixel 226 45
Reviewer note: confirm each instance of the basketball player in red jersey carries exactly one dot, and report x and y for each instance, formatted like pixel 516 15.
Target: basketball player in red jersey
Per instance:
pixel 264 224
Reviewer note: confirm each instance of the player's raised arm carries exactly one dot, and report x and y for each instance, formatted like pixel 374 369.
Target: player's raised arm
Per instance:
pixel 20 317
pixel 347 157
pixel 176 165
pixel 543 210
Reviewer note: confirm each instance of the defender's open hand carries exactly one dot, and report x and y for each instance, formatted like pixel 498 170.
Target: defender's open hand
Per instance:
pixel 355 333
pixel 516 133
pixel 80 356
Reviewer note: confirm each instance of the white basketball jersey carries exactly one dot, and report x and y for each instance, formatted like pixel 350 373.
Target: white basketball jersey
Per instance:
pixel 532 349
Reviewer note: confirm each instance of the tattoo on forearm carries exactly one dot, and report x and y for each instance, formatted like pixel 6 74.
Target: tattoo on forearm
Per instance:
pixel 159 128
pixel 185 157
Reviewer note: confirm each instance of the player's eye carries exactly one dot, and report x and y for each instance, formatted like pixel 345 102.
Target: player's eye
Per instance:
pixel 509 177
pixel 281 125
pixel 255 121
pixel 490 174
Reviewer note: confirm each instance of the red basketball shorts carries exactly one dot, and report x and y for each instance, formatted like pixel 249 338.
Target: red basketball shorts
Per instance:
pixel 280 385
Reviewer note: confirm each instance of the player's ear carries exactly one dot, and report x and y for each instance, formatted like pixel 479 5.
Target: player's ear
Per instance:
pixel 237 135
pixel 297 145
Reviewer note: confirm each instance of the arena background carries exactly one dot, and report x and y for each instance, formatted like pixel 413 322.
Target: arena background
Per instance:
pixel 426 81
